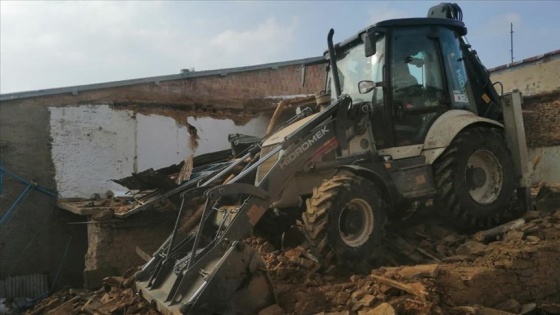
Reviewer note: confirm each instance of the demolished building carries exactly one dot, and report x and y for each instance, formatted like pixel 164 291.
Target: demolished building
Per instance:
pixel 72 141
pixel 115 244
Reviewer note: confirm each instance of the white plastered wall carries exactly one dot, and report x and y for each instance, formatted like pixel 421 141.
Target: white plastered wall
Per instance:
pixel 92 144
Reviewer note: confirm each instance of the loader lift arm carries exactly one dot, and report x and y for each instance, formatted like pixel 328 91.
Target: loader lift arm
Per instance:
pixel 186 275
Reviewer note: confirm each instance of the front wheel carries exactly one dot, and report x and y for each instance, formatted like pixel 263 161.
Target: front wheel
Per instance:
pixel 344 220
pixel 476 181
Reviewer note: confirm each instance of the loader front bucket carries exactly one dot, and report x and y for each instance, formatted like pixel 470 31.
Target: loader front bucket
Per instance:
pixel 230 278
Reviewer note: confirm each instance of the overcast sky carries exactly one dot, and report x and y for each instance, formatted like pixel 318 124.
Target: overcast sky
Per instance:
pixel 56 44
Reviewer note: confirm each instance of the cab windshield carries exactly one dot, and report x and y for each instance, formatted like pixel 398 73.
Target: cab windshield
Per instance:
pixel 354 67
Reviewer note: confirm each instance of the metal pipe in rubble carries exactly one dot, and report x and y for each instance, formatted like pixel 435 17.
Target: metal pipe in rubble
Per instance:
pixel 172 241
pixel 332 59
pixel 227 169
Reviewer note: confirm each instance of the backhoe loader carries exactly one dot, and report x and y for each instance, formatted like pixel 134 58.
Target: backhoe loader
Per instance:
pixel 408 120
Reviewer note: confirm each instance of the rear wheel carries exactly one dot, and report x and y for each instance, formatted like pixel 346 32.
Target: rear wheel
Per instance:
pixel 344 220
pixel 476 181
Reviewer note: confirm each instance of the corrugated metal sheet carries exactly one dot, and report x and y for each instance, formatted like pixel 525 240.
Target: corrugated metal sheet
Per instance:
pixel 28 286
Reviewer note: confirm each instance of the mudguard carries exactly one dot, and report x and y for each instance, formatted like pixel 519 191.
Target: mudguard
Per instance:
pixel 446 127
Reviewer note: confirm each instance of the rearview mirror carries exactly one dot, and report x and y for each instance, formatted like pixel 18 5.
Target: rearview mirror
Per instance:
pixel 370 41
pixel 366 86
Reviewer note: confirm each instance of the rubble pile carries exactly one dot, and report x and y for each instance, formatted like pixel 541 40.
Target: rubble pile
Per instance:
pixel 117 296
pixel 511 269
pixel 516 274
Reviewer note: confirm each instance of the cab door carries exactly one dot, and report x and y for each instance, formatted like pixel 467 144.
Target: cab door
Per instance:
pixel 418 92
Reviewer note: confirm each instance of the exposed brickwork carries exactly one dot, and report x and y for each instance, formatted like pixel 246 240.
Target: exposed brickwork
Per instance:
pixel 541 116
pixel 236 91
pixel 112 246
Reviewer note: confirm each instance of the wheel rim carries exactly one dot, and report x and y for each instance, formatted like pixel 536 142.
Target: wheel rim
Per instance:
pixel 355 222
pixel 484 176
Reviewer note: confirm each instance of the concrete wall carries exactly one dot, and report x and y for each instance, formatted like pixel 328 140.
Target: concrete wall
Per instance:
pixel 92 144
pixel 540 74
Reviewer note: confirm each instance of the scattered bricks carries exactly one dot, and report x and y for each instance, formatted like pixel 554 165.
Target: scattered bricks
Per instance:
pixel 304 262
pixel 551 308
pixel 313 302
pixel 363 283
pixel 293 253
pixel 480 310
pixel 313 280
pixel 452 239
pixel 382 309
pixel 357 295
pixel 419 271
pixel 532 239
pixel 266 248
pixel 388 290
pixel 65 308
pixel 355 278
pixel 530 227
pixel 532 215
pixel 550 234
pixel 113 281
pixel 417 286
pixel 367 300
pixel 342 298
pixel 129 282
pixel 106 298
pixel 456 258
pixel 513 236
pixel 509 305
pixel 412 306
pixel 471 248
pixel 274 309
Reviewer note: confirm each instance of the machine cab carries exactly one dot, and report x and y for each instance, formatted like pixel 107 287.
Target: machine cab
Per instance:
pixel 411 70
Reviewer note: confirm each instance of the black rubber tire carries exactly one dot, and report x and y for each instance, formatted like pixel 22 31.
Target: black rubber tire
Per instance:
pixel 454 201
pixel 322 220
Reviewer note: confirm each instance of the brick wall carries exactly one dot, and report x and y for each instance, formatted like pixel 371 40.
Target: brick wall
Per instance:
pixel 538 79
pixel 541 116
pixel 248 90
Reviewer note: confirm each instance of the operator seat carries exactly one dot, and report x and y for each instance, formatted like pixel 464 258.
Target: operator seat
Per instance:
pixel 407 94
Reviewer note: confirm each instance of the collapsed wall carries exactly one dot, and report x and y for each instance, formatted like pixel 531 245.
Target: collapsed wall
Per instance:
pixel 118 246
pixel 74 140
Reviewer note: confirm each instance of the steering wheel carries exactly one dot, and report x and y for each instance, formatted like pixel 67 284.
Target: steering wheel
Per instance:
pixel 410 90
